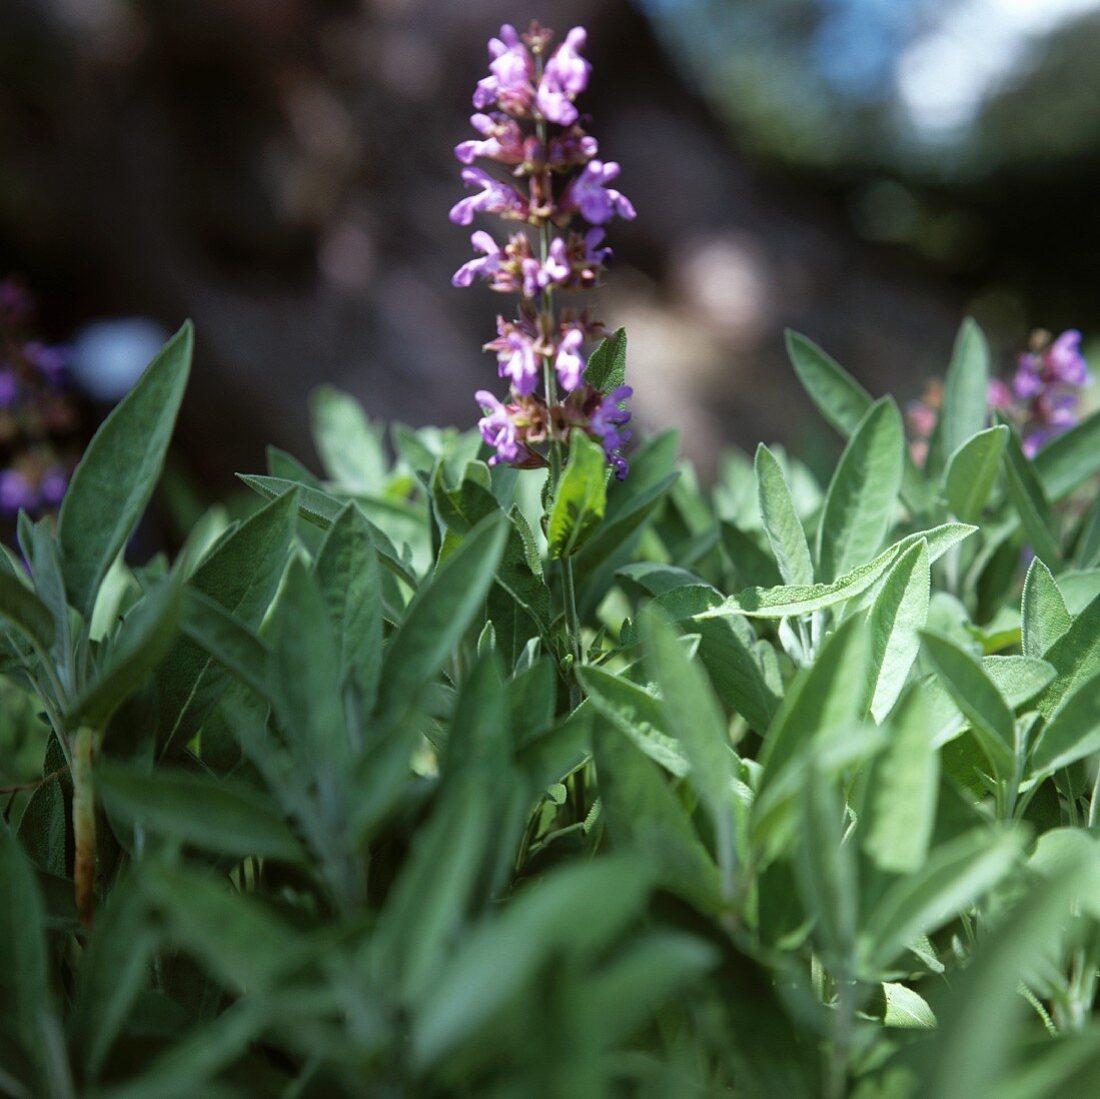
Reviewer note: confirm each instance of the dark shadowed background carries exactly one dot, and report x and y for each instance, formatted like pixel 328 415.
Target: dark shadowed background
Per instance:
pixel 865 171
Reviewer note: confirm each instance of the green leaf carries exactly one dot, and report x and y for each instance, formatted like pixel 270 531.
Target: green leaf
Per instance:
pixel 220 816
pixel 606 368
pixel 899 612
pixel 862 496
pixel 581 497
pixel 965 404
pixel 440 614
pixel 956 875
pixel 119 470
pixel 789 601
pixel 573 911
pixel 24 610
pixel 976 696
pixel 901 813
pixel 348 572
pixel 905 1009
pixel 218 635
pixel 1070 459
pixel 145 638
pixel 1042 611
pixel 781 522
pixel 350 448
pixel 1072 731
pixel 1075 657
pixel 1025 490
pixel 972 470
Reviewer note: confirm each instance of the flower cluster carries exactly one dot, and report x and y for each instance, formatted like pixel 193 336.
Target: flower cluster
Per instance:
pixel 37 415
pixel 1042 399
pixel 529 124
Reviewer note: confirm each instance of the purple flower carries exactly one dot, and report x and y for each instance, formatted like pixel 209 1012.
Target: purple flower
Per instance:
pixel 53 485
pixel 593 253
pixel 589 194
pixel 1028 380
pixel 503 140
pixel 49 361
pixel 494 197
pixel 516 357
pixel 569 364
pixel 498 429
pixel 16 492
pixel 608 424
pixel 998 395
pixel 565 77
pixel 556 270
pixel 510 71
pixel 9 387
pixel 1064 361
pixel 485 267
pixel 573 146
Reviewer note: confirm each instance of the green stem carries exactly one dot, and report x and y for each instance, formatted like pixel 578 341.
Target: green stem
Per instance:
pixel 83 750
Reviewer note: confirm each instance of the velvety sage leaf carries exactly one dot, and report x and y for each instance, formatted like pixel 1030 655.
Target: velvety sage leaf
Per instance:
pixel 288 468
pixel 119 470
pixel 219 636
pixel 348 571
pixel 790 601
pixel 440 614
pixel 976 696
pixel 645 815
pixel 1018 678
pixel 905 1009
pixel 965 404
pixel 221 816
pixel 752 564
pixel 1042 611
pixel 49 585
pixel 695 719
pixel 427 904
pixel 901 811
pixel 24 987
pixel 862 496
pixel 606 368
pixel 1072 732
pixel 781 522
pixel 1070 459
pixel 1025 490
pixel 114 968
pixel 899 612
pixel 956 874
pixel 144 639
pixel 581 498
pixel 972 471
pixel 1075 657
pixel 321 509
pixel 349 446
pixel 24 610
pixel 573 912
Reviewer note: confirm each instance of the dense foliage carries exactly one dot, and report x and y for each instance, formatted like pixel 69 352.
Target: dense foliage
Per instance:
pixel 330 807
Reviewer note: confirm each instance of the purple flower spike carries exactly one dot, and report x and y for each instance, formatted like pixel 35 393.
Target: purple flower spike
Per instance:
pixel 16 492
pixel 510 72
pixel 569 364
pixel 590 195
pixel 485 267
pixel 503 140
pixel 494 197
pixel 608 424
pixel 516 357
pixel 498 430
pixel 565 76
pixel 1064 360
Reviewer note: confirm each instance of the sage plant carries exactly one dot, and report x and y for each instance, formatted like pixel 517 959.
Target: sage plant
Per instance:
pixel 529 126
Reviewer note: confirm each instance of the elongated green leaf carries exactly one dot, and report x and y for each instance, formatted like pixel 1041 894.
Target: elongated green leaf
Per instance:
pixel 897 826
pixel 581 497
pixel 224 817
pixel 1025 490
pixel 1070 459
pixel 787 601
pixel 972 470
pixel 1073 731
pixel 906 1009
pixel 440 614
pixel 860 502
pixel 965 407
pixel 606 368
pixel 781 522
pixel 955 875
pixel 897 615
pixel 1042 611
pixel 978 699
pixel 119 471
pixel 1075 657
pixel 20 606
pixel 350 448
pixel 218 635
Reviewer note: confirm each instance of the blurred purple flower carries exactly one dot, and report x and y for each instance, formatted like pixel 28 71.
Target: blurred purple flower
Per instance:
pixel 569 363
pixel 50 361
pixel 510 70
pixel 9 387
pixel 607 424
pixel 16 492
pixel 484 267
pixel 564 78
pixel 516 357
pixel 495 197
pixel 53 485
pixel 498 429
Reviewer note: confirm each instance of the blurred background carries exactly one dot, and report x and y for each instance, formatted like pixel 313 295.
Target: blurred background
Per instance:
pixel 865 171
